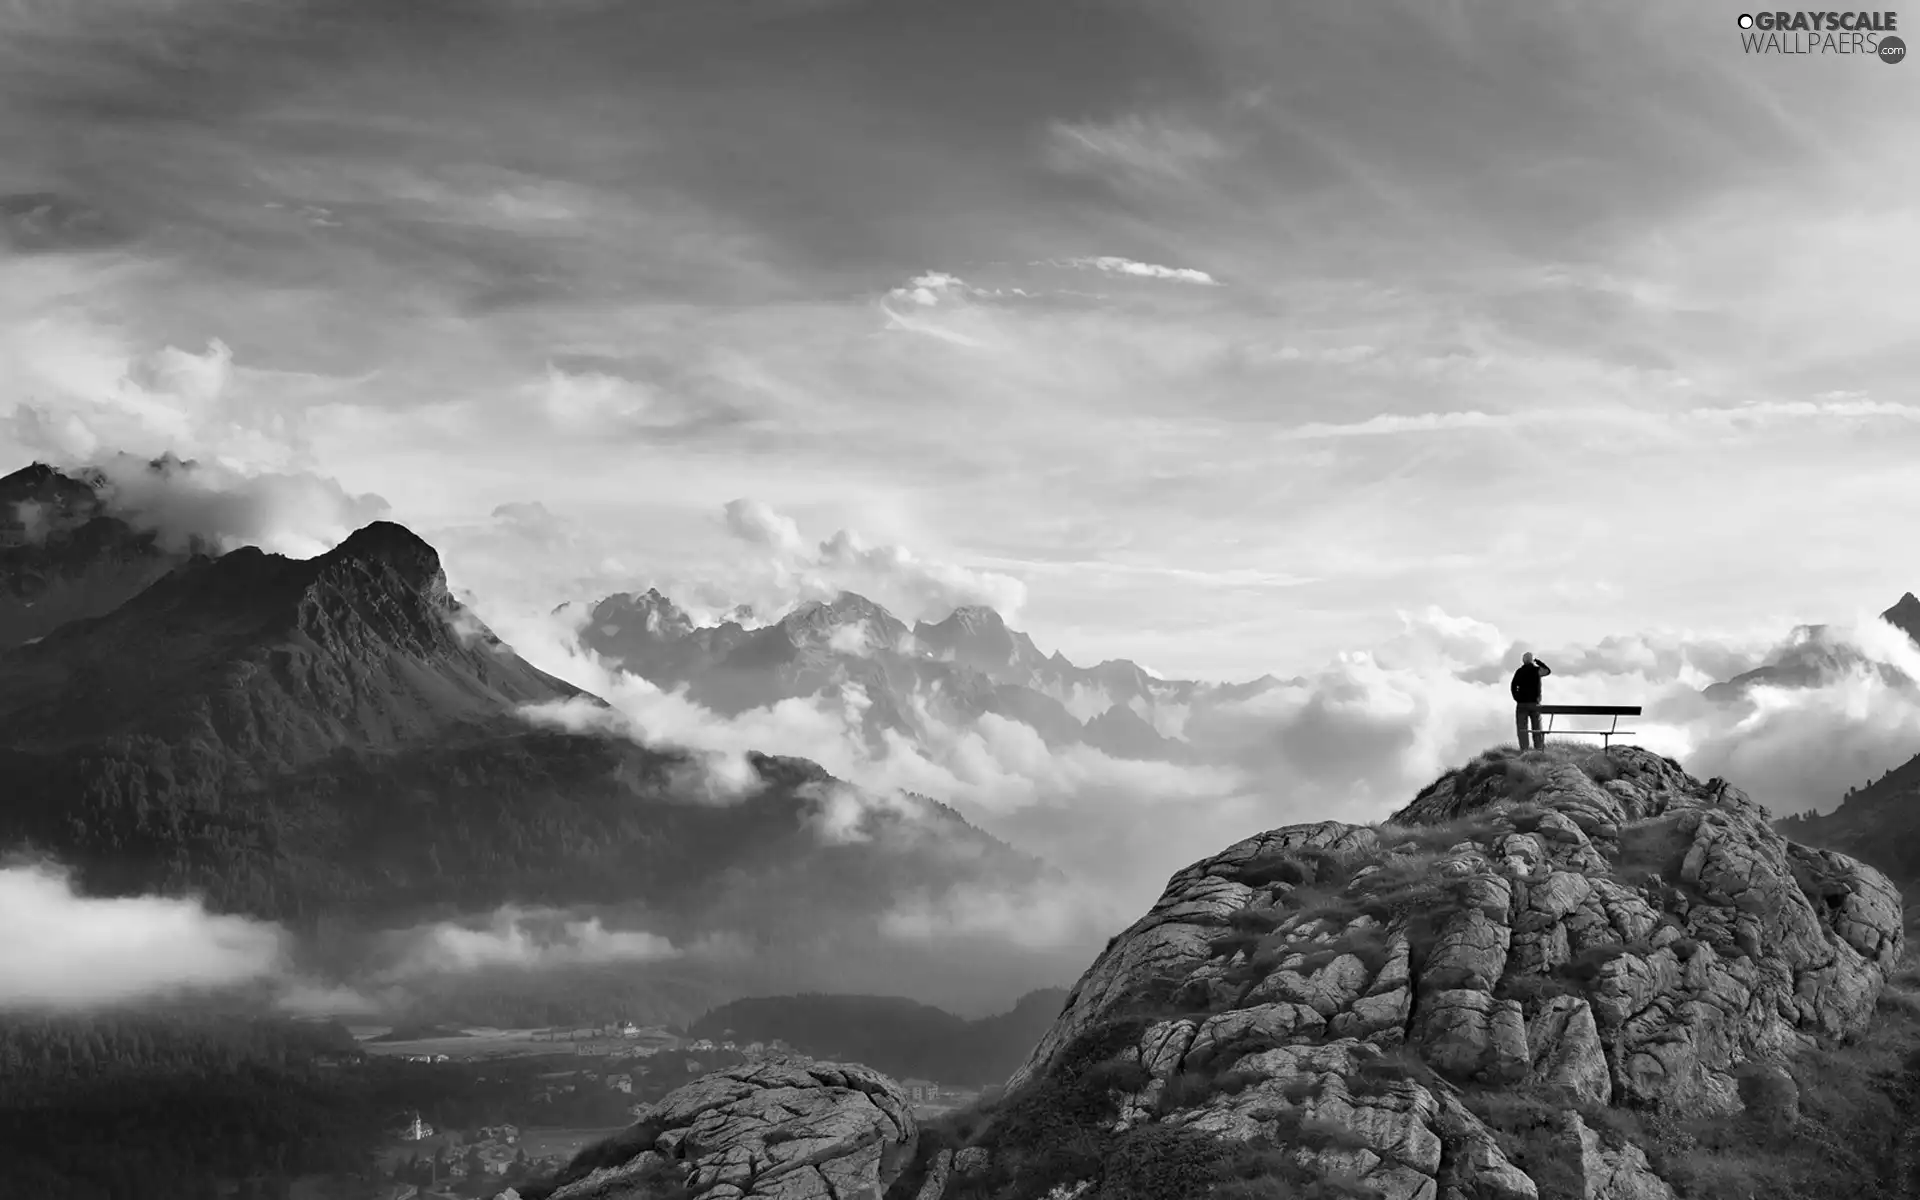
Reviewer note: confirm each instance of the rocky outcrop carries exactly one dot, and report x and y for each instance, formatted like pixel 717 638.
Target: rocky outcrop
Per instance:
pixel 1564 932
pixel 763 1131
pixel 1621 1173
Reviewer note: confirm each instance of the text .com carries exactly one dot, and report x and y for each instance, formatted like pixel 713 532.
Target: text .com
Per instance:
pixel 1868 34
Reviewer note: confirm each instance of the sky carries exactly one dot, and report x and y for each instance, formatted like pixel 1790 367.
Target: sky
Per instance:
pixel 1360 343
pixel 1223 329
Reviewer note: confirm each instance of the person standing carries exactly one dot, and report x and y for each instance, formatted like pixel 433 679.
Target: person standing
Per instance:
pixel 1526 701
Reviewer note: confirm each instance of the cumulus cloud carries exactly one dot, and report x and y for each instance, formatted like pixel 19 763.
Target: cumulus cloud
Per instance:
pixel 791 570
pixel 82 387
pixel 296 514
pixel 1364 732
pixel 61 949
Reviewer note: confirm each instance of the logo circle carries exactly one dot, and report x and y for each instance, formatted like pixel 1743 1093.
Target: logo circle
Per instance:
pixel 1746 20
pixel 1892 49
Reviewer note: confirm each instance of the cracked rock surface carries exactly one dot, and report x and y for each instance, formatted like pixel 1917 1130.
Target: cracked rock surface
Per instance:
pixel 1606 931
pixel 761 1131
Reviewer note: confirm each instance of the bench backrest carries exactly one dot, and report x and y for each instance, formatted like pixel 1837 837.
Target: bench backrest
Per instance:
pixel 1589 710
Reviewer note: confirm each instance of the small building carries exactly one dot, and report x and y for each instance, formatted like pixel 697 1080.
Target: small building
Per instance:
pixel 621 1083
pixel 416 1130
pixel 920 1091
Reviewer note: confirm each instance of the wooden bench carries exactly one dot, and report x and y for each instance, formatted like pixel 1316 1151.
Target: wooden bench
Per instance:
pixel 1613 730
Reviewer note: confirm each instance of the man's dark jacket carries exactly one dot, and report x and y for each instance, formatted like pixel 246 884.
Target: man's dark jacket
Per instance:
pixel 1526 682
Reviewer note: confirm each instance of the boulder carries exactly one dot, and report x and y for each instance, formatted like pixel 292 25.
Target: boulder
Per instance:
pixel 759 1131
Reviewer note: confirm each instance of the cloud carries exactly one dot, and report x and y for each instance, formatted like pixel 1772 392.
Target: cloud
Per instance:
pixel 1126 266
pixel 1053 916
pixel 60 949
pixel 854 638
pixel 792 571
pixel 1353 739
pixel 757 524
pixel 299 515
pixel 929 289
pixel 1152 147
pixel 517 938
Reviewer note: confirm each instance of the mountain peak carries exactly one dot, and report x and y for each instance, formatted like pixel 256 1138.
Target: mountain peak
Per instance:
pixel 38 495
pixel 843 609
pixel 395 546
pixel 656 611
pixel 978 615
pixel 1905 616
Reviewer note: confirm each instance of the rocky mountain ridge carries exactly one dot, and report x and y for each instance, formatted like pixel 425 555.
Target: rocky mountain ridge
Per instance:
pixel 953 671
pixel 272 658
pixel 1811 656
pixel 64 555
pixel 337 735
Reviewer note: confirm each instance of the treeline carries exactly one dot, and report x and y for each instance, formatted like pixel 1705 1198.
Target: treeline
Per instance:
pixel 143 1108
pixel 901 1037
pixel 540 817
pixel 171 1107
pixel 39 1056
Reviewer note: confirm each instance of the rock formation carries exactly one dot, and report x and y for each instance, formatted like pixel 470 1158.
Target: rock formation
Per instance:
pixel 762 1131
pixel 1343 1009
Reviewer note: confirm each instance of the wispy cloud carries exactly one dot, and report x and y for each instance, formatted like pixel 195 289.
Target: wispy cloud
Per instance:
pixel 1146 146
pixel 520 939
pixel 1126 266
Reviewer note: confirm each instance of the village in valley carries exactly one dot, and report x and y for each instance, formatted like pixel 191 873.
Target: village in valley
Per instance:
pixel 568 1087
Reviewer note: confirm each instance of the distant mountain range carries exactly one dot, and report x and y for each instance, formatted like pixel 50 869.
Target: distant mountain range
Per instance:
pixel 339 737
pixel 1812 657
pixel 904 680
pixel 901 1037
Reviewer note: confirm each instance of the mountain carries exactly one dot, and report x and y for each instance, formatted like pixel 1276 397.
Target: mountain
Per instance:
pixel 339 736
pixel 1811 657
pixel 904 681
pixel 1558 974
pixel 1878 823
pixel 1905 616
pixel 899 1036
pixel 64 556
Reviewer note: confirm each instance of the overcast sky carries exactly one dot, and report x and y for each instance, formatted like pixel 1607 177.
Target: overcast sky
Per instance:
pixel 1208 333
